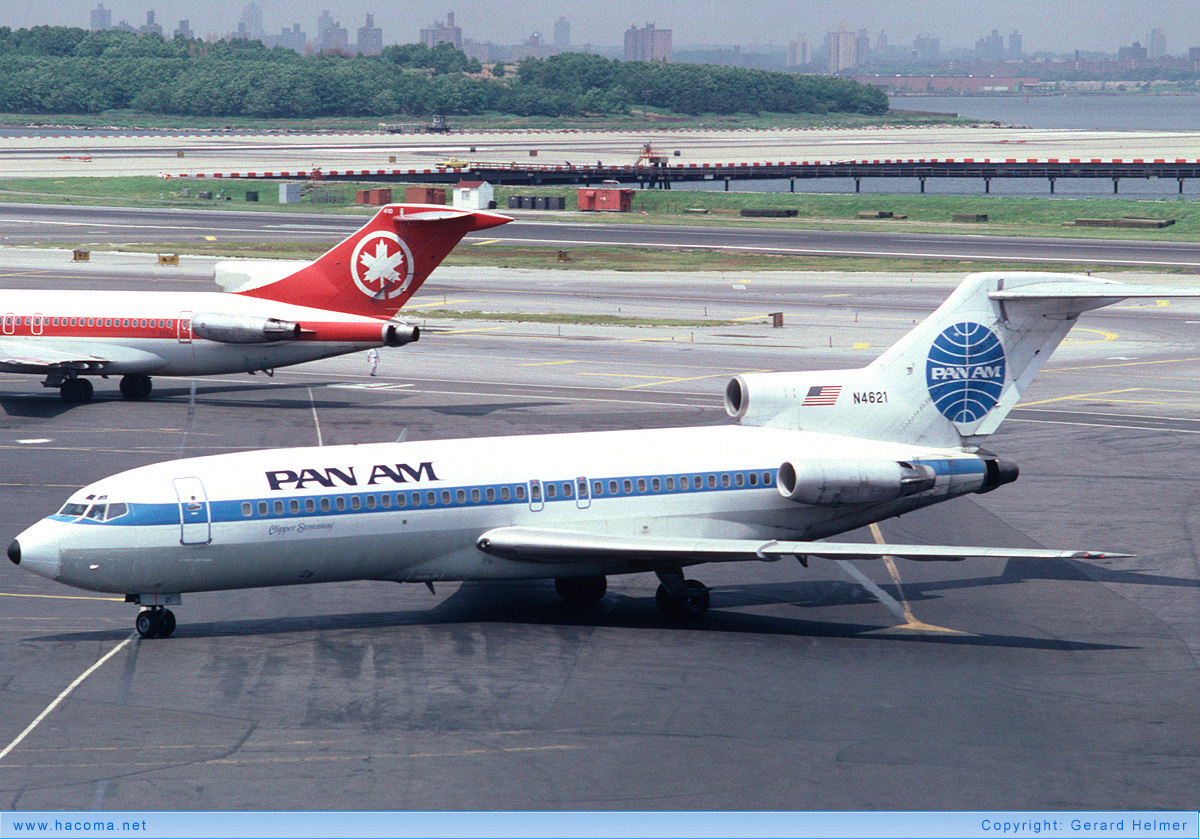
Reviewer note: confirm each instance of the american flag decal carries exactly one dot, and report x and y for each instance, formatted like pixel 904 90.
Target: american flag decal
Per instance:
pixel 824 395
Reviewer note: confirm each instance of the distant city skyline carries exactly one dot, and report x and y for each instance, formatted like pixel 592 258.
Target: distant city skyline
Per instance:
pixel 1051 26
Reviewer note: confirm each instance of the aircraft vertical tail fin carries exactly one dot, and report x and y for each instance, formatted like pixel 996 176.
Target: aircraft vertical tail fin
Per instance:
pixel 375 271
pixel 954 377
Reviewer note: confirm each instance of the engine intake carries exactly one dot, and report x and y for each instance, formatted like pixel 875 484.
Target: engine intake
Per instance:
pixel 243 329
pixel 851 481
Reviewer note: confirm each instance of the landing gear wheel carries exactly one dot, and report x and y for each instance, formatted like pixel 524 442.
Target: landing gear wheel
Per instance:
pixel 136 386
pixel 690 604
pixel 168 624
pixel 149 623
pixel 581 590
pixel 76 390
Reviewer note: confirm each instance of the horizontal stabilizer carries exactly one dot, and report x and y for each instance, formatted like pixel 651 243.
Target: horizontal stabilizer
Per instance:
pixel 533 544
pixel 1089 290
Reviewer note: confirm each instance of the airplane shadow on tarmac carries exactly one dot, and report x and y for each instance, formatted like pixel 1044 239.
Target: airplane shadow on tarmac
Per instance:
pixel 535 603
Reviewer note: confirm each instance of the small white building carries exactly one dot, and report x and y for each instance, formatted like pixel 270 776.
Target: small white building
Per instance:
pixel 473 195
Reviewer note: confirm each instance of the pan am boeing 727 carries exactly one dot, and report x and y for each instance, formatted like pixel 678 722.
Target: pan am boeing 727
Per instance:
pixel 341 303
pixel 814 454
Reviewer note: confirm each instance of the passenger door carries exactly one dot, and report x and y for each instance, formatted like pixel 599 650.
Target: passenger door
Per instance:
pixel 195 517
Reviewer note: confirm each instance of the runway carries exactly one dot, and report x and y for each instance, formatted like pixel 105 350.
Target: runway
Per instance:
pixel 81 225
pixel 1073 684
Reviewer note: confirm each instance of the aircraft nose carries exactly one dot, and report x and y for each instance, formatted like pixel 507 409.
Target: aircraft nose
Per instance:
pixel 36 550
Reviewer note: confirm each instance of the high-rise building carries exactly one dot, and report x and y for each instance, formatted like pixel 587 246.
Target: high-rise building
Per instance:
pixel 562 34
pixel 647 44
pixel 184 30
pixel 797 55
pixel 150 26
pixel 251 24
pixel 926 48
pixel 442 33
pixel 1156 45
pixel 842 51
pixel 101 18
pixel 990 47
pixel 370 37
pixel 331 35
pixel 1016 52
pixel 293 39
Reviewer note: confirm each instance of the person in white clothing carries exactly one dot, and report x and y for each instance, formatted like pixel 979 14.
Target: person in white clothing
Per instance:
pixel 372 361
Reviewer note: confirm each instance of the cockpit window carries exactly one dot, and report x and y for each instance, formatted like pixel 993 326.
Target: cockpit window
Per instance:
pixel 116 511
pixel 97 512
pixel 70 509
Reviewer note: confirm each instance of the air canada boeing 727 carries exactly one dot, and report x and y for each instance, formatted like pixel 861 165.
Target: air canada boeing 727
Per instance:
pixel 814 454
pixel 341 303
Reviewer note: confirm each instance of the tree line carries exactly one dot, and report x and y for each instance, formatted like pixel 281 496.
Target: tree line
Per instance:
pixel 65 70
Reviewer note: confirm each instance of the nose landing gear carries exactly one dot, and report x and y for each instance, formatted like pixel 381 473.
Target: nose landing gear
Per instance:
pixel 155 621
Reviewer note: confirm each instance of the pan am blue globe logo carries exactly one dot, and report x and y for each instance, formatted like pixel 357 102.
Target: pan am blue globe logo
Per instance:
pixel 965 371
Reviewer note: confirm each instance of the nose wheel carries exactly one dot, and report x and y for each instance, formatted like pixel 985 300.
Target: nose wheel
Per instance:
pixel 155 621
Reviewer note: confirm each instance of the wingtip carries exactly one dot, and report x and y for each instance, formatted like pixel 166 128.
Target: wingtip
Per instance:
pixel 1100 555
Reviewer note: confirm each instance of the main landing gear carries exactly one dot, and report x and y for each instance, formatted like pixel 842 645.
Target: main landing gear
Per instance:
pixel 155 621
pixel 136 386
pixel 75 390
pixel 679 599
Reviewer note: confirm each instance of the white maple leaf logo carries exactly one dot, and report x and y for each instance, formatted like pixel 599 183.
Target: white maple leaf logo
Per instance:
pixel 382 265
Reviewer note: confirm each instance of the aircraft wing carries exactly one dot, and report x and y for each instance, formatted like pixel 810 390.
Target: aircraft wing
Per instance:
pixel 36 357
pixel 1089 289
pixel 532 544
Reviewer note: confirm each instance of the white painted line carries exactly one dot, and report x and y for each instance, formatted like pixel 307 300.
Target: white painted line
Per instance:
pixel 316 421
pixel 67 692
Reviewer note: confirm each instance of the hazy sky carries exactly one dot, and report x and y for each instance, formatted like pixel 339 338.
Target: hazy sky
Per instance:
pixel 1055 25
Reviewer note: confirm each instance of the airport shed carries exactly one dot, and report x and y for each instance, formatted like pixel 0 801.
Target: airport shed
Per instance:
pixel 473 195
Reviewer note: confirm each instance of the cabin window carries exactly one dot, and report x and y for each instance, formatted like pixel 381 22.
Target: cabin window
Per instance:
pixel 415 499
pixel 460 496
pixel 91 321
pixel 725 480
pixel 567 491
pixel 445 496
pixel 655 485
pixel 55 322
pixel 503 493
pixel 641 484
pixel 294 505
pixel 279 508
pixel 108 321
pixel 72 321
pixel 385 501
pixel 247 509
pixel 612 487
pixel 490 493
pixel 520 491
pixel 370 502
pixel 430 499
pixel 310 505
pixel 670 484
pixel 355 502
pixel 324 505
pixel 475 496
pixel 340 503
pixel 535 492
pixel 597 487
pixel 263 509
pixel 753 479
pixel 766 479
pixel 551 491
pixel 401 499
pixel 712 481
pixel 739 479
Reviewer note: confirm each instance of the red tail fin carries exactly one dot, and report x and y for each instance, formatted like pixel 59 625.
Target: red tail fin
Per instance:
pixel 376 270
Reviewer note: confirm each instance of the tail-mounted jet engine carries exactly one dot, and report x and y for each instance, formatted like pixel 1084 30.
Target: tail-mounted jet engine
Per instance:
pixel 243 329
pixel 851 481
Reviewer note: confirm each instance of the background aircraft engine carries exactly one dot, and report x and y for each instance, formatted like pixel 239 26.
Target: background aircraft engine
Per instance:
pixel 243 329
pixel 851 481
pixel 755 398
pixel 399 334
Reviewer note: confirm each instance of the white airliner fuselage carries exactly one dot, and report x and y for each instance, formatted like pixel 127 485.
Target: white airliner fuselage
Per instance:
pixel 415 512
